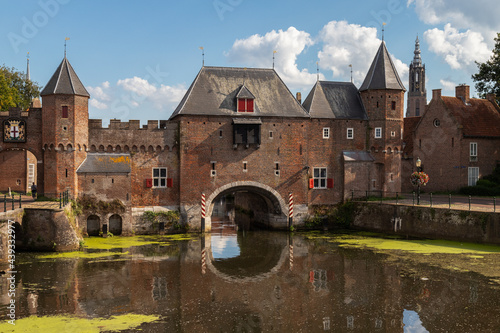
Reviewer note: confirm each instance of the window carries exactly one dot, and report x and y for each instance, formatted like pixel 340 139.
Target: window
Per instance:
pixel 270 134
pixel 350 133
pixel 473 176
pixel 159 177
pixel 393 134
pixel 326 133
pixel 245 166
pixel 473 151
pixel 378 132
pixel 319 176
pixel 393 105
pixel 245 105
pixel 65 112
pixel 246 133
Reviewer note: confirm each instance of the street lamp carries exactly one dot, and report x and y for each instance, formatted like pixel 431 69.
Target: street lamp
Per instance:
pixel 418 163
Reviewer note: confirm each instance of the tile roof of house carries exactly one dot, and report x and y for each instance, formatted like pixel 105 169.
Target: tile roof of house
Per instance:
pixel 105 163
pixel 214 92
pixel 64 81
pixel 340 100
pixel 410 124
pixel 382 73
pixel 478 118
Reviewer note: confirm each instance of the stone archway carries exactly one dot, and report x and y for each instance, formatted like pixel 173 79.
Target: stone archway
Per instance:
pixel 115 224
pixel 93 225
pixel 277 211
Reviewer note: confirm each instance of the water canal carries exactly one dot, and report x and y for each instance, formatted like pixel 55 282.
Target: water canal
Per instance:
pixel 233 281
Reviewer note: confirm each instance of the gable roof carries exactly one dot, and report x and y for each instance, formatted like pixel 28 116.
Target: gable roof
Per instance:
pixel 478 118
pixel 382 73
pixel 105 163
pixel 245 93
pixel 64 81
pixel 214 92
pixel 340 100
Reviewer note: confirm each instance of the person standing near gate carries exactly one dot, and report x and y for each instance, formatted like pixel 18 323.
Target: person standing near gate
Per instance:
pixel 33 191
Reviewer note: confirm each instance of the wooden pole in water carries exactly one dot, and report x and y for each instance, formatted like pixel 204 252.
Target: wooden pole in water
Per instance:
pixel 203 212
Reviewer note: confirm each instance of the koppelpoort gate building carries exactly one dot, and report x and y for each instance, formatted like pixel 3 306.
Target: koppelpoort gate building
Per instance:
pixel 236 131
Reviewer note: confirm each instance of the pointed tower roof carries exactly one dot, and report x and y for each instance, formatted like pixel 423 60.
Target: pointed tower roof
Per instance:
pixel 417 60
pixel 382 73
pixel 64 82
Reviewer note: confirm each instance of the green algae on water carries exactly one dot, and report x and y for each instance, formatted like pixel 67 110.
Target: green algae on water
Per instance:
pixel 117 242
pixel 81 255
pixel 76 324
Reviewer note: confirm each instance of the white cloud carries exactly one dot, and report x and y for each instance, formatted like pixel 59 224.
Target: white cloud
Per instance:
pixel 345 44
pixel 258 50
pixel 97 104
pixel 137 85
pixel 448 85
pixel 458 49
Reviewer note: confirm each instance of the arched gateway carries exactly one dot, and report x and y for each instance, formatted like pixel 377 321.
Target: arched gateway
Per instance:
pixel 267 203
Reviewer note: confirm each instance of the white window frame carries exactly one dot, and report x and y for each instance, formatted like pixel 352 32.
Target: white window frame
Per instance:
pixel 378 132
pixel 160 179
pixel 326 132
pixel 473 151
pixel 350 133
pixel 320 178
pixel 473 176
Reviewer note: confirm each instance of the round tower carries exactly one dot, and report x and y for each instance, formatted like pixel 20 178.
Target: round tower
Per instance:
pixel 64 130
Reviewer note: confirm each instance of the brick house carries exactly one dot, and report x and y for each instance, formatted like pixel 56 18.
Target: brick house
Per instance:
pixel 457 140
pixel 237 132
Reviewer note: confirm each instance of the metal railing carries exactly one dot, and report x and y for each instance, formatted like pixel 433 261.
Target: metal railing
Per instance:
pixel 450 201
pixel 9 203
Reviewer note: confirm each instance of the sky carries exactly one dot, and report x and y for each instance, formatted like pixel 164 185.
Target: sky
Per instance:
pixel 138 58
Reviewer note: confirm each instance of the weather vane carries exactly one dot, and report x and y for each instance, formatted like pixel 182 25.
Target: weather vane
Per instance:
pixel 274 52
pixel 383 29
pixel 202 56
pixel 65 39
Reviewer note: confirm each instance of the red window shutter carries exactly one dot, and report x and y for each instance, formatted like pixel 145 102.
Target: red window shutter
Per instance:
pixel 249 105
pixel 311 183
pixel 149 183
pixel 65 112
pixel 170 182
pixel 241 104
pixel 329 183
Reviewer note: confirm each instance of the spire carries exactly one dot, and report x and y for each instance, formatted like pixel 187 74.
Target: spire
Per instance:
pixel 382 73
pixel 28 67
pixel 417 61
pixel 65 82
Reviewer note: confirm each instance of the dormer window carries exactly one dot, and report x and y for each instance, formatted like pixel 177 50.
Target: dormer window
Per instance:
pixel 245 100
pixel 245 105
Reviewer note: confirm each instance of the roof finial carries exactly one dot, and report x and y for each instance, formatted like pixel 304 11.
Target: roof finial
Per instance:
pixel 202 56
pixel 28 67
pixel 274 52
pixel 350 65
pixel 65 39
pixel 317 70
pixel 383 29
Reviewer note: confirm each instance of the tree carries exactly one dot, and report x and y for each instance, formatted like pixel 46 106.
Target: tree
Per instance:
pixel 488 78
pixel 15 89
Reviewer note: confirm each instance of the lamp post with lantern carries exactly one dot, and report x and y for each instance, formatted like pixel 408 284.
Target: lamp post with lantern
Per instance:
pixel 418 164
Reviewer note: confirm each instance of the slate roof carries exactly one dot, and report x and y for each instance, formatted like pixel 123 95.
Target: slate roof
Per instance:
pixel 340 100
pixel 65 82
pixel 105 163
pixel 479 117
pixel 357 156
pixel 214 91
pixel 382 73
pixel 410 124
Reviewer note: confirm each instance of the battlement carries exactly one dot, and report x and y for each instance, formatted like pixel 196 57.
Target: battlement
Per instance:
pixel 117 124
pixel 17 112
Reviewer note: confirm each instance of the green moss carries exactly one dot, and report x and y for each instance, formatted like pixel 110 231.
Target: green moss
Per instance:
pixel 80 254
pixel 117 242
pixel 77 324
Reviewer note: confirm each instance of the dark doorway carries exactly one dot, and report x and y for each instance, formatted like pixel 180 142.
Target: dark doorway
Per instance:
pixel 93 225
pixel 115 224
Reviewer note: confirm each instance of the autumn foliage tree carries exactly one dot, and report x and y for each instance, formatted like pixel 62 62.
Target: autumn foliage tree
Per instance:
pixel 15 89
pixel 488 78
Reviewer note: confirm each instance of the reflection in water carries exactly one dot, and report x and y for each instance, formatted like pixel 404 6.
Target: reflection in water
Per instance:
pixel 412 322
pixel 256 288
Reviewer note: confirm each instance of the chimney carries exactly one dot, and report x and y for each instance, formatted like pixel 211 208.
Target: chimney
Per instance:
pixel 436 94
pixel 462 91
pixel 299 97
pixel 492 98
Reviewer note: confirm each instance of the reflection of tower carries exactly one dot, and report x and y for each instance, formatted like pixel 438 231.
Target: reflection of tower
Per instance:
pixel 417 94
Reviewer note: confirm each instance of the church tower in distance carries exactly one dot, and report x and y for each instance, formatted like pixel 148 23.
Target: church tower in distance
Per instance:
pixel 417 94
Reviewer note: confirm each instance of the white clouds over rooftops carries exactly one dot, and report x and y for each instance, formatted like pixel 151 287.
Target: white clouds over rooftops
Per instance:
pixel 342 44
